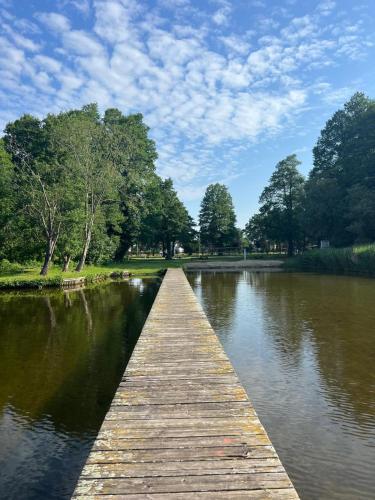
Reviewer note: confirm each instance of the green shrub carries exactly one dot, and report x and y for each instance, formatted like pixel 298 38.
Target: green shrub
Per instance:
pixel 7 267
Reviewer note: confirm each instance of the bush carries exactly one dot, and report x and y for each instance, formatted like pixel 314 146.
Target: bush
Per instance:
pixel 7 267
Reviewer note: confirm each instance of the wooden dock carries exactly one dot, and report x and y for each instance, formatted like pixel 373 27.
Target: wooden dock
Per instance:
pixel 181 425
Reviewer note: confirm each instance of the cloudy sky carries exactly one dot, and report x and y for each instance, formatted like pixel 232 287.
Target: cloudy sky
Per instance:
pixel 228 88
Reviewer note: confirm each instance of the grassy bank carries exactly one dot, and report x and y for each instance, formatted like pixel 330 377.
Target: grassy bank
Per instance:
pixel 358 260
pixel 17 276
pixel 13 276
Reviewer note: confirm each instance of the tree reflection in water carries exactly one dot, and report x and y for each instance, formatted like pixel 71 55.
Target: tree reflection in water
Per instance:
pixel 62 355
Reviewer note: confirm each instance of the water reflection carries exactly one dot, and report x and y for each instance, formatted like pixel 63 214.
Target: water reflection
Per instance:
pixel 62 355
pixel 304 347
pixel 219 294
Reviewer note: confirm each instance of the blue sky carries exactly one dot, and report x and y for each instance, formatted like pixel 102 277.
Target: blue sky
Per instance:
pixel 228 88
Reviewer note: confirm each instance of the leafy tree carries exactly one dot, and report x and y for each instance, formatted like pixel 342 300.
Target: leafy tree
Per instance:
pixel 326 188
pixel 39 178
pixel 167 221
pixel 255 231
pixel 357 176
pixel 78 186
pixel 7 201
pixel 282 204
pixel 135 156
pixel 91 151
pixel 217 218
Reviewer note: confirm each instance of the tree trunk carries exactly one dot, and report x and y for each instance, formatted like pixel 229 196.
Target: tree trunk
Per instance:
pixel 47 260
pixel 168 251
pixel 48 255
pixel 290 248
pixel 67 258
pixel 82 260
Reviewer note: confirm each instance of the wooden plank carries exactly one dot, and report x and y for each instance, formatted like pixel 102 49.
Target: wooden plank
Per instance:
pixel 264 494
pixel 181 454
pixel 111 441
pixel 176 484
pixel 180 424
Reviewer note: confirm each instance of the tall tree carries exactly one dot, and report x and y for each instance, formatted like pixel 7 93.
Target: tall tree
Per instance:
pixel 7 201
pixel 40 179
pixel 167 221
pixel 326 187
pixel 91 149
pixel 217 218
pixel 282 203
pixel 136 155
pixel 256 231
pixel 357 176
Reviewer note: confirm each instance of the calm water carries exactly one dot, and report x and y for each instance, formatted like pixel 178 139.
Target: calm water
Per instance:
pixel 304 347
pixel 61 358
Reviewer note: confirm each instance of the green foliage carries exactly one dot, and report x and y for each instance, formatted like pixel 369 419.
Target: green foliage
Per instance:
pixel 349 260
pixel 7 201
pixel 77 186
pixel 7 267
pixel 341 186
pixel 167 221
pixel 337 203
pixel 280 216
pixel 217 219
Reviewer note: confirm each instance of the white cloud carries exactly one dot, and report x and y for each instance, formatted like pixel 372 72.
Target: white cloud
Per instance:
pixel 54 21
pixel 20 40
pixel 221 16
pixel 82 6
pixel 48 63
pixel 207 93
pixel 326 7
pixel 80 42
pixel 236 43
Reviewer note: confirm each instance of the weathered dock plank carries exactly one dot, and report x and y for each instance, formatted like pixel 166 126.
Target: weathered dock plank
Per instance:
pixel 181 425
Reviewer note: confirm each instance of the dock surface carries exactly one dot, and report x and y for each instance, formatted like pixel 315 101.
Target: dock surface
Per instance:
pixel 181 426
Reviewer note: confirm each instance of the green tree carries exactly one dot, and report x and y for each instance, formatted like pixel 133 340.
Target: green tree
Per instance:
pixel 282 204
pixel 217 218
pixel 326 188
pixel 91 150
pixel 357 176
pixel 167 221
pixel 135 156
pixel 7 202
pixel 40 179
pixel 256 231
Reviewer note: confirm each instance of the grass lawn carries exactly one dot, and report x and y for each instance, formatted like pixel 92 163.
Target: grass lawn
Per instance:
pixel 29 277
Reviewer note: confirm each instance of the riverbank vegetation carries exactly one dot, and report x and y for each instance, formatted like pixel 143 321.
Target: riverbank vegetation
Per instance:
pixel 336 203
pixel 14 276
pixel 351 260
pixel 80 186
pixel 79 191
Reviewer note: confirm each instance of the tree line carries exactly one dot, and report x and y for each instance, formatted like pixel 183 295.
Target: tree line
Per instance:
pixel 337 200
pixel 83 187
pixel 77 186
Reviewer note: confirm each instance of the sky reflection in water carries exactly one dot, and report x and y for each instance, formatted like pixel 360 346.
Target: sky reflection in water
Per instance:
pixel 303 345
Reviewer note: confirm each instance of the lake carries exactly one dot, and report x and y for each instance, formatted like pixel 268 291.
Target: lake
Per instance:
pixel 62 355
pixel 303 346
